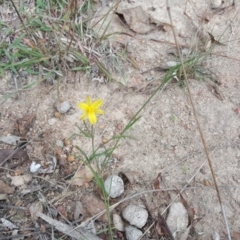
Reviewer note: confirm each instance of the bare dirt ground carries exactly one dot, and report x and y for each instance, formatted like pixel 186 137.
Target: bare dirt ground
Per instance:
pixel 167 139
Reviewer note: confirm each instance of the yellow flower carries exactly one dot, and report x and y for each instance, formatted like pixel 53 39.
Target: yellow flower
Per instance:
pixel 90 109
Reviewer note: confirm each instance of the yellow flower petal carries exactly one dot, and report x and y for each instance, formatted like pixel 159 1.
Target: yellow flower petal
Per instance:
pixel 84 116
pixel 92 118
pixel 83 106
pixel 97 104
pixel 99 111
pixel 89 100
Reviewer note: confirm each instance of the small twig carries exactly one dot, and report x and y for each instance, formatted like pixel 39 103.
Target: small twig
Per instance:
pixel 12 207
pixel 16 84
pixel 20 18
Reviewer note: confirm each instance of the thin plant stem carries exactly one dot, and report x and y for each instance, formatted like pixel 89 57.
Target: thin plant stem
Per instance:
pixel 92 130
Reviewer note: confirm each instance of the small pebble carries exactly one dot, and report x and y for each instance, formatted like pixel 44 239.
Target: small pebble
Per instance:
pixel 104 140
pixel 114 186
pixel 18 172
pixel 216 3
pixel 118 222
pixel 67 142
pixel 172 63
pixel 63 107
pixel 57 114
pixel 135 215
pixel 34 167
pixel 70 158
pixel 133 233
pixel 59 143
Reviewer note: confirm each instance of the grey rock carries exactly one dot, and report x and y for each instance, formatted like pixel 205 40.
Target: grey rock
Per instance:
pixel 63 107
pixel 177 219
pixel 118 222
pixel 135 215
pixel 216 3
pixel 215 236
pixel 114 186
pixel 132 233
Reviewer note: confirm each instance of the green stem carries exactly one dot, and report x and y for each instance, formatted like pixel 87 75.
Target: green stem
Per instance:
pixel 92 133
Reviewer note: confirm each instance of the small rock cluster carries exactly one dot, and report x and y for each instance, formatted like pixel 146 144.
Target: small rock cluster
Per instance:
pixel 136 216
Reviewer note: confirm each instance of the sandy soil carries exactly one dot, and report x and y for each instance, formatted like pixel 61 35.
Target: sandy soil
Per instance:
pixel 167 136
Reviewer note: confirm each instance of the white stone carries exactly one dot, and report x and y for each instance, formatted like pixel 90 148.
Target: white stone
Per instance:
pixel 133 233
pixel 114 186
pixel 135 215
pixel 63 107
pixel 177 219
pixel 216 3
pixel 118 222
pixel 34 167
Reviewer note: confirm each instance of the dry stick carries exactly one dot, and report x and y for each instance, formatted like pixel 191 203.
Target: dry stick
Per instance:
pixel 198 124
pixel 20 18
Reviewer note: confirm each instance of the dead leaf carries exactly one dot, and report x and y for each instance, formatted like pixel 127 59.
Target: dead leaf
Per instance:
pixel 89 226
pixel 166 27
pixel 24 124
pixel 36 207
pixel 52 163
pixel 236 235
pixel 156 183
pixel 207 183
pixel 61 209
pixel 214 41
pixel 3 197
pixel 7 154
pixel 18 181
pixel 83 176
pixel 137 19
pixel 78 233
pixel 214 90
pixel 4 188
pixel 130 176
pixel 105 236
pixel 28 42
pixel 78 211
pixel 93 205
pixel 10 139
